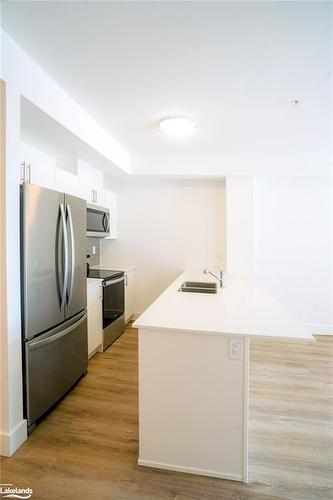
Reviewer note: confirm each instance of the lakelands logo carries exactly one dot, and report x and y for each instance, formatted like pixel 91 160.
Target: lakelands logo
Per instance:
pixel 11 491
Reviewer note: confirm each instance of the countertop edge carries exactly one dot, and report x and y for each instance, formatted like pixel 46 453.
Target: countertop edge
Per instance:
pixel 150 325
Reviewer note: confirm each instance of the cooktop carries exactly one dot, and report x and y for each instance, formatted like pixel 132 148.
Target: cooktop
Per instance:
pixel 104 274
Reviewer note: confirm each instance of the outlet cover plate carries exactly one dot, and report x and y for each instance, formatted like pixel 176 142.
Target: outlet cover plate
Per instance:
pixel 236 348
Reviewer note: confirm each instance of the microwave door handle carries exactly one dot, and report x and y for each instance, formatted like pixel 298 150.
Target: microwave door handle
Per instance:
pixel 65 249
pixel 107 220
pixel 71 231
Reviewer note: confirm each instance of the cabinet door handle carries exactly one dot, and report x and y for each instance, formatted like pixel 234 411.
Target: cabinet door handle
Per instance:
pixel 94 196
pixel 22 171
pixel 29 172
pixel 25 172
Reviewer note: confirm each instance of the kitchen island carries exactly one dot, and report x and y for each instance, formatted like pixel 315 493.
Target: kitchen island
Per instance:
pixel 194 374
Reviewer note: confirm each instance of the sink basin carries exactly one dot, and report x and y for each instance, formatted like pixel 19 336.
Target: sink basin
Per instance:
pixel 198 287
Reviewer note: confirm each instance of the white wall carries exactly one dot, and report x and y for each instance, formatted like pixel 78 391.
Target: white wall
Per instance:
pixel 3 282
pixel 239 225
pixel 165 228
pixel 13 429
pixel 293 245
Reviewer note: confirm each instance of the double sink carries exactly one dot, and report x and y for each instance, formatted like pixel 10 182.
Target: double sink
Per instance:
pixel 198 287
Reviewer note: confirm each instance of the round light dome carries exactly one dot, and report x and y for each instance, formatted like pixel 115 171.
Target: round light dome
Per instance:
pixel 178 127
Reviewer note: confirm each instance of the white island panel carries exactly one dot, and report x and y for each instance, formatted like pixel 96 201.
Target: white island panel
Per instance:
pixel 193 397
pixel 192 418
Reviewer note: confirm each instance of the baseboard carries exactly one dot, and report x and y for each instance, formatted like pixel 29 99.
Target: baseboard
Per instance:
pixel 320 329
pixel 190 470
pixel 98 349
pixel 135 316
pixel 9 442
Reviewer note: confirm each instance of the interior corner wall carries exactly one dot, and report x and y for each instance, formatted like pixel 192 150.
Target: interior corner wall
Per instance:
pixel 239 225
pixel 293 221
pixel 165 228
pixel 280 231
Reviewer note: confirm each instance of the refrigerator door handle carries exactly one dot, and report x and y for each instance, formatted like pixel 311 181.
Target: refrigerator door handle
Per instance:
pixel 71 231
pixel 64 231
pixel 40 343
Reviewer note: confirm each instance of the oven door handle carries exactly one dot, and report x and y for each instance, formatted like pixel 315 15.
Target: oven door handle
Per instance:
pixel 113 282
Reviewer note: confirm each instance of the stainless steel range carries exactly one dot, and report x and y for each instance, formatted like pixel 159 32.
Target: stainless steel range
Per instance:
pixel 113 303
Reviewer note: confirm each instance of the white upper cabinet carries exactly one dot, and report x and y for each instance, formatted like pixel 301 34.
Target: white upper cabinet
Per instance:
pixel 90 183
pixel 38 167
pixel 85 174
pixel 98 186
pixel 111 202
pixel 65 181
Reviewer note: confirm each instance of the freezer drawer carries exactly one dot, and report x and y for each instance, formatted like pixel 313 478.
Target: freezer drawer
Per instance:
pixel 54 361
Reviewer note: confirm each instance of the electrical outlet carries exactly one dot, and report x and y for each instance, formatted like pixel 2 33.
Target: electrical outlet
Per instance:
pixel 236 348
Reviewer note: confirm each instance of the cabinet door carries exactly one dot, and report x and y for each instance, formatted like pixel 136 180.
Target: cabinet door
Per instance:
pixel 65 182
pixel 95 317
pixel 98 187
pixel 129 295
pixel 90 183
pixel 85 181
pixel 41 166
pixel 111 202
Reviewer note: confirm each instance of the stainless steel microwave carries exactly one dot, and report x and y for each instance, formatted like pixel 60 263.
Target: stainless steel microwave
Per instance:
pixel 98 221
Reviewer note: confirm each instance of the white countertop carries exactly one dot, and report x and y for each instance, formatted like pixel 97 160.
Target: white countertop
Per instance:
pixel 243 307
pixel 90 281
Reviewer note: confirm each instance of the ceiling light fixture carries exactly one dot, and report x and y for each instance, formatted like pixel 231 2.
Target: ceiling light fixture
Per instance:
pixel 178 127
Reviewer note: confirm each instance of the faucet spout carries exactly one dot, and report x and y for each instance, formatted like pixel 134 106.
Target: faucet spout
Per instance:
pixel 219 278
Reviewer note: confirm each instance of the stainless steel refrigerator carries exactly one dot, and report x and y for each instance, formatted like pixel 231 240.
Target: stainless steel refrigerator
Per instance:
pixel 54 296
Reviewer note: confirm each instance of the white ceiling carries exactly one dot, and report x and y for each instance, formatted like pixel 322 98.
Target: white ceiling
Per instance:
pixel 232 66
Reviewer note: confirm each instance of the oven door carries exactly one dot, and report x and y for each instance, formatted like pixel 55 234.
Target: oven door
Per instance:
pixel 113 300
pixel 113 310
pixel 98 221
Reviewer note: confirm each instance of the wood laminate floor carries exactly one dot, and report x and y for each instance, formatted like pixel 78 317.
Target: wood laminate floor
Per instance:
pixel 87 447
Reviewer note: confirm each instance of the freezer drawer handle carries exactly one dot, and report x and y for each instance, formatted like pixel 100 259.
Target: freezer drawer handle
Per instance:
pixel 40 343
pixel 64 231
pixel 71 230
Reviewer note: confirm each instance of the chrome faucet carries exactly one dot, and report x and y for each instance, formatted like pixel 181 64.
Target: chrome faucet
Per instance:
pixel 219 279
